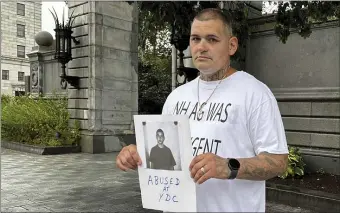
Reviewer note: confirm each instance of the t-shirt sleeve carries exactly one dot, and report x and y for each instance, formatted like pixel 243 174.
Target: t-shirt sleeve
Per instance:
pixel 267 130
pixel 152 155
pixel 167 106
pixel 173 162
pixel 165 109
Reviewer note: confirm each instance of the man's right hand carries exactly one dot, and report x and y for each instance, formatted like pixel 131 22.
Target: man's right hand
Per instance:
pixel 128 158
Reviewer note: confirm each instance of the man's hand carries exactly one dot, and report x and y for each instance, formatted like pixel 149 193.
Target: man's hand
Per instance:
pixel 206 166
pixel 128 158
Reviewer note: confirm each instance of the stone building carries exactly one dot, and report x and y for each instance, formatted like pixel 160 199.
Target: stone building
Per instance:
pixel 20 22
pixel 300 75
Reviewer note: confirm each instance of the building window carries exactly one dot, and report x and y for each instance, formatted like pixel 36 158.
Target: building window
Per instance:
pixel 21 9
pixel 5 74
pixel 20 30
pixel 19 93
pixel 21 51
pixel 21 76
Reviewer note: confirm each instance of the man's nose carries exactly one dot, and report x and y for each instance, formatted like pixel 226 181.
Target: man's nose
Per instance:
pixel 202 46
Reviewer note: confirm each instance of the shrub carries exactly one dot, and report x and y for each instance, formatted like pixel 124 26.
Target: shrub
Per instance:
pixel 295 164
pixel 39 121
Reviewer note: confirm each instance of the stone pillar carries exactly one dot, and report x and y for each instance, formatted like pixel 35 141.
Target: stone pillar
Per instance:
pixel 27 84
pixel 107 61
pixel 36 73
pixel 44 69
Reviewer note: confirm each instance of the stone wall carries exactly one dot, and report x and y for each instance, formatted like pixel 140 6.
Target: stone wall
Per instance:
pixel 106 59
pixel 304 76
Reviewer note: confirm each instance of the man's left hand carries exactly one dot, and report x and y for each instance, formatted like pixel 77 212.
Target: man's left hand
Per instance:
pixel 208 165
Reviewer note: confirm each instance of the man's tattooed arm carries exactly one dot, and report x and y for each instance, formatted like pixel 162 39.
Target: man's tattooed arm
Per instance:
pixel 262 167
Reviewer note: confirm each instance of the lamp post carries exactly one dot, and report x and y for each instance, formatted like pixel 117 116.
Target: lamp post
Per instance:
pixel 180 39
pixel 63 37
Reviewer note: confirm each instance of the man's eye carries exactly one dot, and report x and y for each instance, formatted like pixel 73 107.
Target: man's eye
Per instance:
pixel 194 39
pixel 212 40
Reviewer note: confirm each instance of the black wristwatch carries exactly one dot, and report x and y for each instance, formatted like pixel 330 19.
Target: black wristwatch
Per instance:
pixel 234 166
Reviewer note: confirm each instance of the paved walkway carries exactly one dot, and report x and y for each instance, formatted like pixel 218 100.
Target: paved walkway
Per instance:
pixel 73 183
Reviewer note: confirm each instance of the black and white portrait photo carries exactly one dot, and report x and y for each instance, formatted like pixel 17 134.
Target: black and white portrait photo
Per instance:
pixel 161 156
pixel 162 149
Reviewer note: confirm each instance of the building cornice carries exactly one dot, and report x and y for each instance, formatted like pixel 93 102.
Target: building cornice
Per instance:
pixel 14 60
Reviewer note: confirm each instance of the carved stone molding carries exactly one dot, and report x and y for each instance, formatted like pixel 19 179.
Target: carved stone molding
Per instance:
pixel 36 77
pixel 325 93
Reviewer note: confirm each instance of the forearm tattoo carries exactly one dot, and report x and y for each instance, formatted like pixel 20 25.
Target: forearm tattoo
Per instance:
pixel 261 167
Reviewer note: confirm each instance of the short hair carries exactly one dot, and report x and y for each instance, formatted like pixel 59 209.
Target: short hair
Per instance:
pixel 159 130
pixel 213 14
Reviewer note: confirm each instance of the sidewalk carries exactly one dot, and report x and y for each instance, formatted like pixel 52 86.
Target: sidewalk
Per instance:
pixel 73 183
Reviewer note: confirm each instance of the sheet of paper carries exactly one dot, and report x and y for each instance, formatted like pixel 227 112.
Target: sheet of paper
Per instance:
pixel 164 145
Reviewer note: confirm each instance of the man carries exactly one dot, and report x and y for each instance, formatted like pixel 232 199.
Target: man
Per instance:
pixel 160 155
pixel 238 138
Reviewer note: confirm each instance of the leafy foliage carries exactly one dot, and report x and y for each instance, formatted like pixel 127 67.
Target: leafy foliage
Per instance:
pixel 177 16
pixel 295 164
pixel 154 83
pixel 39 121
pixel 153 37
pixel 300 15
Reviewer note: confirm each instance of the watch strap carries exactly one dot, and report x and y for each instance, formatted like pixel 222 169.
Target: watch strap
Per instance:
pixel 233 172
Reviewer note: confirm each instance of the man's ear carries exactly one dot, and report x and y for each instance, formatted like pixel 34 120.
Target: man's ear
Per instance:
pixel 233 45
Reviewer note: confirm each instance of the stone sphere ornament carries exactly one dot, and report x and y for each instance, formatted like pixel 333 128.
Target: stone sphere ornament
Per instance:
pixel 44 38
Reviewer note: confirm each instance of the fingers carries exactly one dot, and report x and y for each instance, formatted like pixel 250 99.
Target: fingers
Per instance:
pixel 203 174
pixel 135 156
pixel 200 172
pixel 205 161
pixel 196 169
pixel 120 165
pixel 196 160
pixel 204 177
pixel 122 162
pixel 128 158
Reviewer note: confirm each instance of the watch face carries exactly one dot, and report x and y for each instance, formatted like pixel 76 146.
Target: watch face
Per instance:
pixel 235 164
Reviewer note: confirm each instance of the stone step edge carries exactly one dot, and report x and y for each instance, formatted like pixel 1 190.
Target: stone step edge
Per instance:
pixel 303 198
pixel 40 150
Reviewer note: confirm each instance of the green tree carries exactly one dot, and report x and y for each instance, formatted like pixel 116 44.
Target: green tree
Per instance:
pixel 154 63
pixel 154 83
pixel 301 15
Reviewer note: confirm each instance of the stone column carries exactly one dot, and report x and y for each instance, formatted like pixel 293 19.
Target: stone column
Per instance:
pixel 44 41
pixel 44 68
pixel 107 61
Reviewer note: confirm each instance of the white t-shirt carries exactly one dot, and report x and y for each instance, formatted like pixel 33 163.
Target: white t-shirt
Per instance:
pixel 240 120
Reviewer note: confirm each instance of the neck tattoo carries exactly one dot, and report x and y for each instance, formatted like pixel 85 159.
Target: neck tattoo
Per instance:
pixel 200 106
